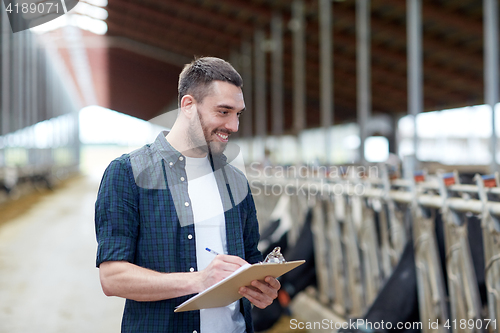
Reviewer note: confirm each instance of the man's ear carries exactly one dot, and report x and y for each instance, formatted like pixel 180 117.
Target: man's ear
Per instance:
pixel 188 106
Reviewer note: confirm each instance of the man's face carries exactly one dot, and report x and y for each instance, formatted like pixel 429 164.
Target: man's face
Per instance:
pixel 218 115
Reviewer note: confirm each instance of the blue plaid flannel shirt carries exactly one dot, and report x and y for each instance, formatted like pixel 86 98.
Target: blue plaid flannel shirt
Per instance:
pixel 141 216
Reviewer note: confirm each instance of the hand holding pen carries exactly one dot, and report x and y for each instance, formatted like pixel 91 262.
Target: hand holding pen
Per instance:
pixel 260 293
pixel 221 267
pixel 212 251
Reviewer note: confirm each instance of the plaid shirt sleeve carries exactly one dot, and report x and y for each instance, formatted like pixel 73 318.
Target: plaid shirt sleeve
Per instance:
pixel 251 231
pixel 116 217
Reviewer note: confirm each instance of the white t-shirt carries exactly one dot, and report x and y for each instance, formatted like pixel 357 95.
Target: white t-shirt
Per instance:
pixel 210 231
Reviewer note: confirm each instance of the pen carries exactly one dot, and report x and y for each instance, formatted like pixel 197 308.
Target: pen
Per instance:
pixel 211 251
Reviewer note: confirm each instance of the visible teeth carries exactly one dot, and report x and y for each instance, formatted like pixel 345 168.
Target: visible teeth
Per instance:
pixel 223 136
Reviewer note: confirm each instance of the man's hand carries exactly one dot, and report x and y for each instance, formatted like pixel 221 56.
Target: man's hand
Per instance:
pixel 221 267
pixel 261 293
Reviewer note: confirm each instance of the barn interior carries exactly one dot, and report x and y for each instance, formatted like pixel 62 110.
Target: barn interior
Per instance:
pixel 398 97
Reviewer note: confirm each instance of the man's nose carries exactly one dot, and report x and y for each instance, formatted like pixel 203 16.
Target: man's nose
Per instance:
pixel 233 123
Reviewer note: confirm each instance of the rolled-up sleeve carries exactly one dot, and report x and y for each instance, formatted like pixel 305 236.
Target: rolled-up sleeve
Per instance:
pixel 116 213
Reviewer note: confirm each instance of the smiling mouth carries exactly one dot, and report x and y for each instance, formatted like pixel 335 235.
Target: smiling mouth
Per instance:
pixel 223 136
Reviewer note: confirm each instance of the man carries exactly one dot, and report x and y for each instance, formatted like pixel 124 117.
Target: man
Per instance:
pixel 161 206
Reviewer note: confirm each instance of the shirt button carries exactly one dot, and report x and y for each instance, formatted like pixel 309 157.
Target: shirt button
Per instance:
pixel 181 158
pixel 191 269
pixel 171 163
pixel 195 331
pixel 190 236
pixel 186 204
pixel 182 179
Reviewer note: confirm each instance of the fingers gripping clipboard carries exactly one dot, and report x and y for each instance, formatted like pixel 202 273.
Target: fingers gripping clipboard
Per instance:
pixel 225 292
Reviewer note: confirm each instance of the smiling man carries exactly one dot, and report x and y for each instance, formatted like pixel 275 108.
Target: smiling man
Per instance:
pixel 159 208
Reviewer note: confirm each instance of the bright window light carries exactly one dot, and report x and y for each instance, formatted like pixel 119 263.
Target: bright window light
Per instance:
pixel 92 11
pixel 55 24
pixel 376 149
pixel 90 24
pixel 84 22
pixel 44 134
pixel 100 3
pixel 351 141
pixel 454 136
pixel 99 125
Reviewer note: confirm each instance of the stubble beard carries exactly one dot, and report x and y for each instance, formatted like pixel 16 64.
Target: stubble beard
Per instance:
pixel 201 141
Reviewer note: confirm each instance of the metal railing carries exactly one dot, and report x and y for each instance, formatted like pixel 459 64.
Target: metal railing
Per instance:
pixel 360 228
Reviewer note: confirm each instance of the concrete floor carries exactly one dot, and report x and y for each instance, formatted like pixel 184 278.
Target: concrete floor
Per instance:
pixel 48 278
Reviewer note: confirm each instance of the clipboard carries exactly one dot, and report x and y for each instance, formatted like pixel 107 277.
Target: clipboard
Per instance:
pixel 225 291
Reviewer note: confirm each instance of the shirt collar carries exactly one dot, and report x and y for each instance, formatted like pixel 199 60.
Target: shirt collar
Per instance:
pixel 169 153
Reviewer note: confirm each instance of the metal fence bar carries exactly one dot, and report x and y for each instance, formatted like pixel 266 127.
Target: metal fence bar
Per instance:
pixel 336 254
pixel 462 282
pixel 491 244
pixel 321 251
pixel 355 301
pixel 430 281
pixel 353 264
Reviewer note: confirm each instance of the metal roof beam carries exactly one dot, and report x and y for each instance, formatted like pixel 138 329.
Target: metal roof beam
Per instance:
pixel 449 19
pixel 184 45
pixel 164 20
pixel 222 21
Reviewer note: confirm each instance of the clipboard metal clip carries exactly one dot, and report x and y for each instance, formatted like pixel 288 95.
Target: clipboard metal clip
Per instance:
pixel 275 256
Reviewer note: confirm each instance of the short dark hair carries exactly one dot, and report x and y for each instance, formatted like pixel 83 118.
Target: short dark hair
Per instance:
pixel 196 77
